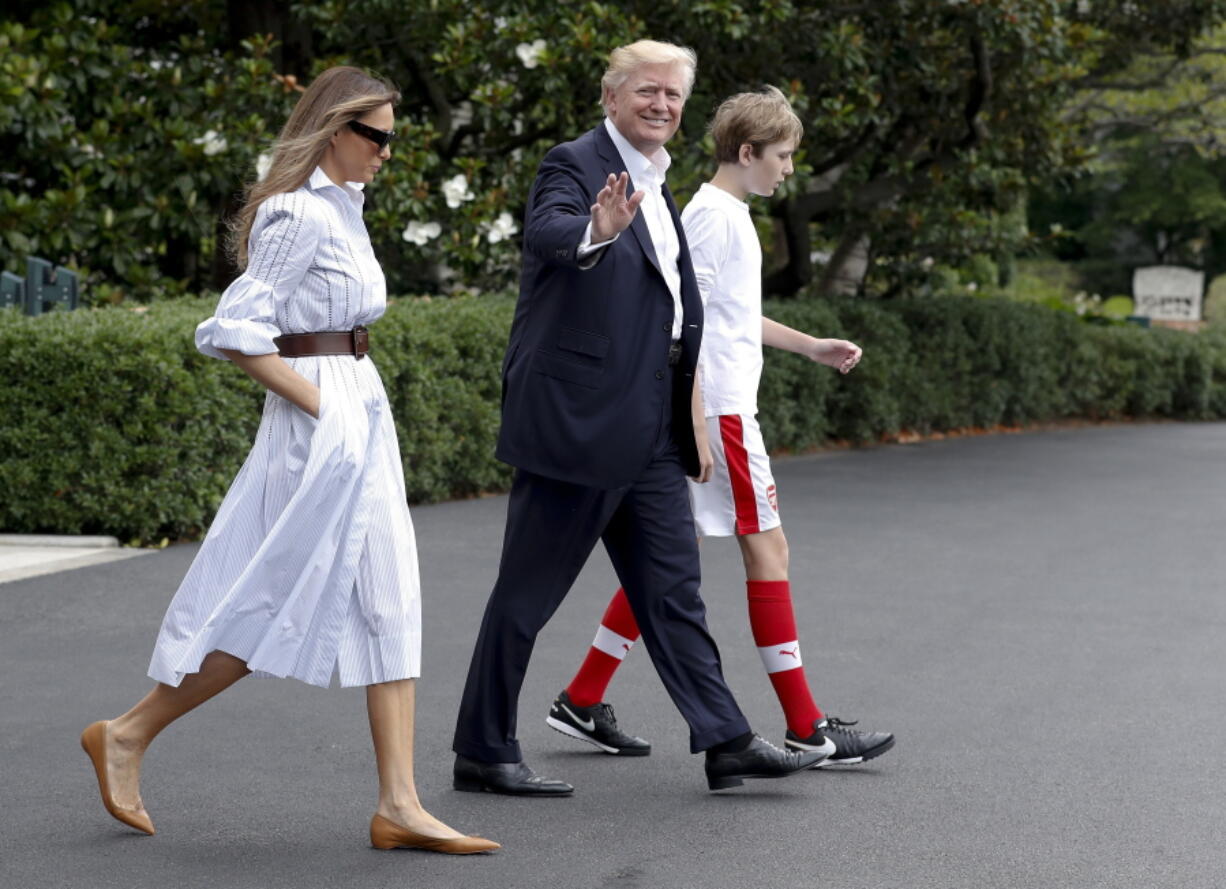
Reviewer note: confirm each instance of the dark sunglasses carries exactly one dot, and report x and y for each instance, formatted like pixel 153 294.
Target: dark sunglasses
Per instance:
pixel 379 137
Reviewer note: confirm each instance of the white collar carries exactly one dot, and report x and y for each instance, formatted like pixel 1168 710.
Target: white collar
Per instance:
pixel 715 193
pixel 352 190
pixel 642 169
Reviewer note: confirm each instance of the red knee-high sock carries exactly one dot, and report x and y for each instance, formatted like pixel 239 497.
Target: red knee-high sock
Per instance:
pixel 614 638
pixel 774 632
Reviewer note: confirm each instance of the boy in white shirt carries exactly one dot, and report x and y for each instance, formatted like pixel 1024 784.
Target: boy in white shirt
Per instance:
pixel 756 135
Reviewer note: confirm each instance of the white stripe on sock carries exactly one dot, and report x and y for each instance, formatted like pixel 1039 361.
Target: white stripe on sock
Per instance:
pixel 612 643
pixel 777 658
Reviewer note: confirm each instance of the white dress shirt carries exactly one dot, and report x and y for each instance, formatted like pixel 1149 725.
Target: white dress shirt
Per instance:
pixel 647 175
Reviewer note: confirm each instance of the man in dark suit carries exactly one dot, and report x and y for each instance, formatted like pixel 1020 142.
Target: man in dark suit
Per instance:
pixel 598 389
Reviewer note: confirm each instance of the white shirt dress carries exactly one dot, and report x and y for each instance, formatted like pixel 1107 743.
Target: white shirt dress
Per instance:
pixel 310 567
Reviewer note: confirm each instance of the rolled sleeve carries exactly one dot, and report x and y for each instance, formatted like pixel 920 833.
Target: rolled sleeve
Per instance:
pixel 243 321
pixel 284 240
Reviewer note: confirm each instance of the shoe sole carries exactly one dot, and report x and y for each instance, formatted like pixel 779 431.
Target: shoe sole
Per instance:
pixel 467 786
pixel 571 732
pixel 847 761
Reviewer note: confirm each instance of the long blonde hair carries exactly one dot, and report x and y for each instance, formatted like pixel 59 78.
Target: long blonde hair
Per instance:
pixel 337 96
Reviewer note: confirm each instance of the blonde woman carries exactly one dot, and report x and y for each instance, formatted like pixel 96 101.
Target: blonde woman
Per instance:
pixel 310 567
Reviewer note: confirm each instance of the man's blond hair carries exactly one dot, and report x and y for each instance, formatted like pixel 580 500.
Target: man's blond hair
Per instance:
pixel 756 119
pixel 625 60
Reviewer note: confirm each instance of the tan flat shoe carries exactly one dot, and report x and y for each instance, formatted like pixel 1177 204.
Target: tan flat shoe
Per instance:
pixel 93 741
pixel 386 834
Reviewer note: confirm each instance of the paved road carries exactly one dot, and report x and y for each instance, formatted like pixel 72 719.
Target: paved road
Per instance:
pixel 1039 617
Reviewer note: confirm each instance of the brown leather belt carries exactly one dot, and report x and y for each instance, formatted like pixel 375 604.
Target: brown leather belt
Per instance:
pixel 354 342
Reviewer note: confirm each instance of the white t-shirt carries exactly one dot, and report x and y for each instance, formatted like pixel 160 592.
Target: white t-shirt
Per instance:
pixel 728 264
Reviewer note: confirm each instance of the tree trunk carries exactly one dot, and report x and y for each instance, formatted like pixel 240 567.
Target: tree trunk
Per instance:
pixel 848 266
pixel 794 215
pixel 293 52
pixel 181 261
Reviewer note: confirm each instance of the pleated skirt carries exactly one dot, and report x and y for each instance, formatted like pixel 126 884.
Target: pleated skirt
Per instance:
pixel 310 567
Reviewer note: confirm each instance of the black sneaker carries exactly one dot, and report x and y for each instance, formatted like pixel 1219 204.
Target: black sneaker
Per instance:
pixel 850 747
pixel 595 724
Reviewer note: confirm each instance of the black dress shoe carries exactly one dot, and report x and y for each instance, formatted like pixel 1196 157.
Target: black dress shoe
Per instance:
pixel 505 777
pixel 761 759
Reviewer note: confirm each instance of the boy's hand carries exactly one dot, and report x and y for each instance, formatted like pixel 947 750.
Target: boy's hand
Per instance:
pixel 706 460
pixel 613 211
pixel 839 354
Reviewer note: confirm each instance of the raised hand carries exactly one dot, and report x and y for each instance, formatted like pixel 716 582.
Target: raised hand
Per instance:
pixel 613 211
pixel 839 354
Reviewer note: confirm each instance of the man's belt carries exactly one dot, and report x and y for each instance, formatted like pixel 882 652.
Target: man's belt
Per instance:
pixel 354 342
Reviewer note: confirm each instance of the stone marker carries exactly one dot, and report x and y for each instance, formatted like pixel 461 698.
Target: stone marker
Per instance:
pixel 1168 293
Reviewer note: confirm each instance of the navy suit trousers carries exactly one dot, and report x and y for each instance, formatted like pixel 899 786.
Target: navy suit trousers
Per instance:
pixel 648 532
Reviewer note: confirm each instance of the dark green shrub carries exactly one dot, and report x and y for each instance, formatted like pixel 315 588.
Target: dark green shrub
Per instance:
pixel 113 423
pixel 441 364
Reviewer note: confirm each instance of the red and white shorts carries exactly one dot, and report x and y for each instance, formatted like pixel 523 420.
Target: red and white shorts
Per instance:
pixel 740 497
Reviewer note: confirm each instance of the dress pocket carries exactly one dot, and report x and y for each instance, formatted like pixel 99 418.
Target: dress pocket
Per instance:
pixel 319 410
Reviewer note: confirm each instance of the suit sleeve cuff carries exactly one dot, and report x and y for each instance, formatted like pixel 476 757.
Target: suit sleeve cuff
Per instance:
pixel 587 253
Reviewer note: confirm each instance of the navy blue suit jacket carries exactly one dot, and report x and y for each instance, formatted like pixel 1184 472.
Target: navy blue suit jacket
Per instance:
pixel 585 375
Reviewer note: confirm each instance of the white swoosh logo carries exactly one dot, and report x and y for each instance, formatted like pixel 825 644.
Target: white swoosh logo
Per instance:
pixel 585 724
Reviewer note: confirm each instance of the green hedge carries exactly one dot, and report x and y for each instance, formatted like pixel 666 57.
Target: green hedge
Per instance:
pixel 955 362
pixel 113 423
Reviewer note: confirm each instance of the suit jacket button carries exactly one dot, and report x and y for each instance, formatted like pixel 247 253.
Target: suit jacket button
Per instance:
pixel 659 374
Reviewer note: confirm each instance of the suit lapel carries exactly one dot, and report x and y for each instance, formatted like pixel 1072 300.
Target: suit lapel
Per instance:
pixel 638 225
pixel 616 165
pixel 684 265
pixel 691 300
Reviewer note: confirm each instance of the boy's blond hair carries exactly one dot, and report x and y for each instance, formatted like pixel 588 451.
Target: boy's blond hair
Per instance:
pixel 756 119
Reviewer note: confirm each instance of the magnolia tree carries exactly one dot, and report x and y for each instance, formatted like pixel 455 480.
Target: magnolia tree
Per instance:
pixel 119 158
pixel 128 131
pixel 926 122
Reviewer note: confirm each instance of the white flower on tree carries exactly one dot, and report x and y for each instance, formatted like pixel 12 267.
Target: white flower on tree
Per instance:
pixel 456 191
pixel 213 142
pixel 927 263
pixel 530 53
pixel 263 164
pixel 420 232
pixel 501 228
